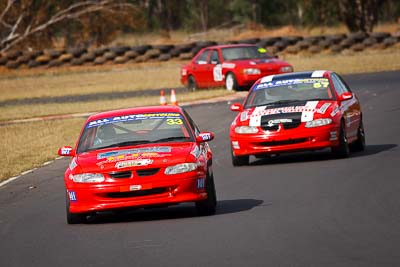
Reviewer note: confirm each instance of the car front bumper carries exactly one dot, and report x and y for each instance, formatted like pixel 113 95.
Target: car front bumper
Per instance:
pixel 134 194
pixel 285 141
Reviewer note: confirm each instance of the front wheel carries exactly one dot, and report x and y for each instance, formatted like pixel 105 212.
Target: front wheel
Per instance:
pixel 209 205
pixel 359 144
pixel 192 85
pixel 342 150
pixel 240 160
pixel 74 218
pixel 231 82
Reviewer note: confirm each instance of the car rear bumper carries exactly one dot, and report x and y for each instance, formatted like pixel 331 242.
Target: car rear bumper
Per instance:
pixel 92 198
pixel 286 141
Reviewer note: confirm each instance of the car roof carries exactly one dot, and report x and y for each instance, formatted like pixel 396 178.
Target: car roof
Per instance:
pixel 135 110
pixel 228 46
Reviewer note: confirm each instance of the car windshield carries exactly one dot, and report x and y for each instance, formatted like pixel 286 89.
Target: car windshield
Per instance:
pixel 282 91
pixel 134 129
pixel 243 52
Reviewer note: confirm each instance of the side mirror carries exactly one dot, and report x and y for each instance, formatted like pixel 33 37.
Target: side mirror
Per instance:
pixel 236 107
pixel 66 151
pixel 345 96
pixel 204 137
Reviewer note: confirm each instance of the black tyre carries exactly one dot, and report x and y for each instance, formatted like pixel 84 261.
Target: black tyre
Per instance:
pixel 240 160
pixel 230 82
pixel 342 150
pixel 359 144
pixel 209 205
pixel 192 85
pixel 74 218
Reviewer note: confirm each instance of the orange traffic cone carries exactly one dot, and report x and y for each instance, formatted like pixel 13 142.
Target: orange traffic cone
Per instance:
pixel 174 102
pixel 163 101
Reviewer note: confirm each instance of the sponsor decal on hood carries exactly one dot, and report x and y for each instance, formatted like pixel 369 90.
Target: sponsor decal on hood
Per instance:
pixel 307 112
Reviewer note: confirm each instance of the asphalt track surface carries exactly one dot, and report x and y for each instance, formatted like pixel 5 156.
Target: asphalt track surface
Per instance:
pixel 303 209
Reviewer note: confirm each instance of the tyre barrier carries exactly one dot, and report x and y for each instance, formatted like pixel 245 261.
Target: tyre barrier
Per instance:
pixel 118 54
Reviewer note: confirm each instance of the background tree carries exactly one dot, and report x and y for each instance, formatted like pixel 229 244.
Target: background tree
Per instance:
pixel 37 19
pixel 360 15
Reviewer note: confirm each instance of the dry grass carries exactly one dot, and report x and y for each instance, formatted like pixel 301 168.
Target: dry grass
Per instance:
pixel 349 62
pixel 19 85
pixel 27 111
pixel 25 146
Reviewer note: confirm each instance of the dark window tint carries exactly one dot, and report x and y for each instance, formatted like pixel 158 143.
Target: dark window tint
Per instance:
pixel 339 85
pixel 203 57
pixel 214 58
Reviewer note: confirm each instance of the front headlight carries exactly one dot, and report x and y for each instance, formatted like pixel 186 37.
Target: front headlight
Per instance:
pixel 318 122
pixel 87 178
pixel 251 71
pixel 246 130
pixel 180 168
pixel 287 69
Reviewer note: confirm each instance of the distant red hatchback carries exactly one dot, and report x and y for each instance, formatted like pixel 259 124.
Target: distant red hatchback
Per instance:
pixel 139 157
pixel 296 112
pixel 232 66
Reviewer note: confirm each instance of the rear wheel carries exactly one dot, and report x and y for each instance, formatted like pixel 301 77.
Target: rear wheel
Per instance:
pixel 359 144
pixel 74 218
pixel 230 82
pixel 240 160
pixel 209 205
pixel 342 150
pixel 192 85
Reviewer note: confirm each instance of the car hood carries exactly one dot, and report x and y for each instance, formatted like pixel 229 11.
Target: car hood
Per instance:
pixel 296 111
pixel 127 158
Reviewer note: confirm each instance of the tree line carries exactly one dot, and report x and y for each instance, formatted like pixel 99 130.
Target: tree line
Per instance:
pixel 38 23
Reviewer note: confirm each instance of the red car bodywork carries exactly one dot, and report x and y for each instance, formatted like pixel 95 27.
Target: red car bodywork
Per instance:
pixel 209 68
pixel 135 175
pixel 283 127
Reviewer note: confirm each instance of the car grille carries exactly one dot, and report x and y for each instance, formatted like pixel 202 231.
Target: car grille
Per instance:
pixel 284 142
pixel 147 172
pixel 139 193
pixel 118 175
pixel 288 121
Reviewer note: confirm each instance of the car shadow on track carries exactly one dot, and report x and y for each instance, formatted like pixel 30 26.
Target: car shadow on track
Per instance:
pixel 182 211
pixel 322 155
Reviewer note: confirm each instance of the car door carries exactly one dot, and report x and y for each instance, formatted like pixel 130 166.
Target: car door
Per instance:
pixel 201 68
pixel 350 108
pixel 215 76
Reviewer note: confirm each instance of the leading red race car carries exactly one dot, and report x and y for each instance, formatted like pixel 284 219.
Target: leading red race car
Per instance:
pixel 232 66
pixel 139 157
pixel 294 112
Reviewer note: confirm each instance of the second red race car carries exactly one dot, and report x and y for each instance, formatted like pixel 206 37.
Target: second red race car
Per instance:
pixel 296 112
pixel 232 66
pixel 136 158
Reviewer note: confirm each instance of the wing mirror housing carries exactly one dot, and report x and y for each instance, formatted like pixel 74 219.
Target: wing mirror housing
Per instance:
pixel 237 107
pixel 204 137
pixel 345 96
pixel 66 151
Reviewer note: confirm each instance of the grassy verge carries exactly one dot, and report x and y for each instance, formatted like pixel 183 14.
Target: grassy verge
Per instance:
pixel 349 62
pixel 28 111
pixel 25 146
pixel 89 80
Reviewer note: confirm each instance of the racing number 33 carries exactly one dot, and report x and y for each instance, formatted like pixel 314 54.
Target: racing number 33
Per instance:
pixel 174 121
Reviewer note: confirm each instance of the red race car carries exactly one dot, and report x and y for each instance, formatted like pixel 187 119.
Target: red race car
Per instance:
pixel 296 112
pixel 139 157
pixel 232 66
